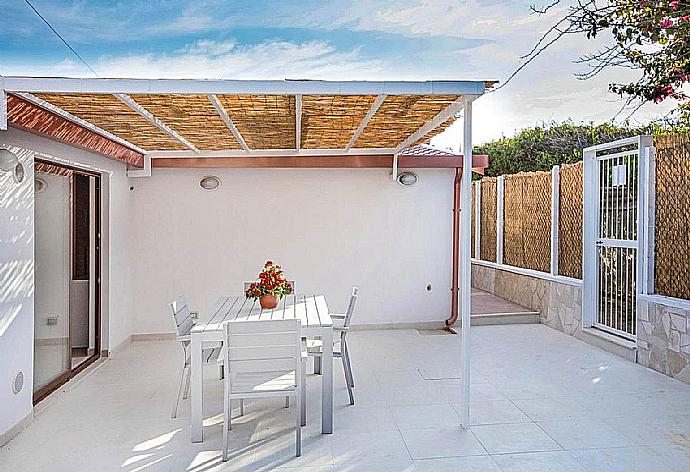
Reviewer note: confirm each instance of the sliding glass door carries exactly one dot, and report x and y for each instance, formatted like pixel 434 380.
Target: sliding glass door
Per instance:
pixel 66 302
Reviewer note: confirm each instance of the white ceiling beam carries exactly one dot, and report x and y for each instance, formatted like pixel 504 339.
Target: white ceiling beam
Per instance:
pixel 3 110
pixel 75 119
pixel 374 108
pixel 234 87
pixel 130 102
pixel 228 121
pixel 432 124
pixel 298 122
pixel 271 153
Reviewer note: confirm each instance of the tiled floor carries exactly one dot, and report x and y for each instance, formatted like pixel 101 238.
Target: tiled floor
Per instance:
pixel 542 401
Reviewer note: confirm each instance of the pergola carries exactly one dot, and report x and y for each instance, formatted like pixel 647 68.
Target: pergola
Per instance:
pixel 263 123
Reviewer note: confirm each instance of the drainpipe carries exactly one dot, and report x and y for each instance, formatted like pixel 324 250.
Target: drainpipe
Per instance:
pixel 456 248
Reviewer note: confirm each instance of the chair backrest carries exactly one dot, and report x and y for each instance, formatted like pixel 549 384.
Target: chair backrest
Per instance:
pixel 182 315
pixel 261 346
pixel 291 282
pixel 351 306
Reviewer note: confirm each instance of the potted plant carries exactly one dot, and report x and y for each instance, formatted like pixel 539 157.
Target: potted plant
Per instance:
pixel 270 286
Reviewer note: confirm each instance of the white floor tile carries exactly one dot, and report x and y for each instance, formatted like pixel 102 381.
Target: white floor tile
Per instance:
pixel 514 438
pixel 437 443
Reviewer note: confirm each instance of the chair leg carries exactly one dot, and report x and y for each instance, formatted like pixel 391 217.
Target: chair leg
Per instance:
pixel 346 355
pixel 298 424
pixel 287 402
pixel 303 400
pixel 348 381
pixel 241 406
pixel 227 422
pixel 317 365
pixel 173 414
pixel 188 383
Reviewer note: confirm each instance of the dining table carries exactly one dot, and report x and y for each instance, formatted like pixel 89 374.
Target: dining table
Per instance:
pixel 311 310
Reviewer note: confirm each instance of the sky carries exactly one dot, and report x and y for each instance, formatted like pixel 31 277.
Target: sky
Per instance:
pixel 358 40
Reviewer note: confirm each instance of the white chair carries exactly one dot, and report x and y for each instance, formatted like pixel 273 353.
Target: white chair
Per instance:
pixel 184 323
pixel 263 359
pixel 341 325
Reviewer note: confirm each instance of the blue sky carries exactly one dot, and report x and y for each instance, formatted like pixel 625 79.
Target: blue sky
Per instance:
pixel 406 39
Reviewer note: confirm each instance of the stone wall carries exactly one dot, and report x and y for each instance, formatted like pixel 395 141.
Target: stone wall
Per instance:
pixel 663 339
pixel 559 305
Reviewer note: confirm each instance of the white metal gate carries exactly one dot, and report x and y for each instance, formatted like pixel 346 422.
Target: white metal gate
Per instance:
pixel 612 187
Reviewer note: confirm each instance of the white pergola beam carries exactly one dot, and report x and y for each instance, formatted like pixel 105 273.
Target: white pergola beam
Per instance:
pixel 372 111
pixel 272 152
pixel 75 119
pixel 130 102
pixel 235 87
pixel 228 121
pixel 298 122
pixel 3 110
pixel 433 123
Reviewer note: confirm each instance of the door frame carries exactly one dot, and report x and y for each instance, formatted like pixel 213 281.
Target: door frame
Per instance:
pixel 63 378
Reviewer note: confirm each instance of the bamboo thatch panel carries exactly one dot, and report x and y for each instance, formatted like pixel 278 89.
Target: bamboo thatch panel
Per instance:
pixel 329 121
pixel 437 131
pixel 487 247
pixel 570 221
pixel 191 116
pixel 399 116
pixel 672 231
pixel 527 221
pixel 109 113
pixel 264 121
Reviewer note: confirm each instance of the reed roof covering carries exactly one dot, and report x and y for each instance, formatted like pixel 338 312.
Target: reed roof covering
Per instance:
pixel 216 116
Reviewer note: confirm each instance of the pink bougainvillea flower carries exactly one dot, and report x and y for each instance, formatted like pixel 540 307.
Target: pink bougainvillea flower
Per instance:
pixel 666 23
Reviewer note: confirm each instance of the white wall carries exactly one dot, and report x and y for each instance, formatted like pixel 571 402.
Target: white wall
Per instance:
pixel 16 293
pixel 329 228
pixel 17 263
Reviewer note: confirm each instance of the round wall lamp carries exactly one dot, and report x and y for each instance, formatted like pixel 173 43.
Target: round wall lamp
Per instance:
pixel 39 185
pixel 407 179
pixel 9 162
pixel 210 182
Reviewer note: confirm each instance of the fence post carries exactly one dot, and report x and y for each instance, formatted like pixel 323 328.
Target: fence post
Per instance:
pixel 555 209
pixel 477 218
pixel 590 211
pixel 500 192
pixel 647 160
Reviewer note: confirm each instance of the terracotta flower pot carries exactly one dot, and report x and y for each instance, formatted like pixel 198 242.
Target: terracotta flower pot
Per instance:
pixel 268 301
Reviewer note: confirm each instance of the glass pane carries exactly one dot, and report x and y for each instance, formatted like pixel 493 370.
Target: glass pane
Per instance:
pixel 52 275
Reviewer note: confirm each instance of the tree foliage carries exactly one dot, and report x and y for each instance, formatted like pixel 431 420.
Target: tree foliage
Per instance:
pixel 652 36
pixel 542 147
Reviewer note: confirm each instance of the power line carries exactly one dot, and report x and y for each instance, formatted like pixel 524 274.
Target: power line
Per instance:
pixel 61 38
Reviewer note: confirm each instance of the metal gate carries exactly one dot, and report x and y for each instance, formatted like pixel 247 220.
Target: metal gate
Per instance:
pixel 613 212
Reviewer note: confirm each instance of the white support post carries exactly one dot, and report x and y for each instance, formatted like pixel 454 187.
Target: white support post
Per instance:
pixel 647 162
pixel 394 171
pixel 500 200
pixel 555 211
pixel 477 219
pixel 590 220
pixel 298 122
pixel 465 258
pixel 3 110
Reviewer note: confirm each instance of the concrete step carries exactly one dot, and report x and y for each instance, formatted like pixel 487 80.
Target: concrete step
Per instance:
pixel 489 319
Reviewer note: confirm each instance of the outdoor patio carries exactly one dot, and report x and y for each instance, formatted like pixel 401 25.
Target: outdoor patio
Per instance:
pixel 541 401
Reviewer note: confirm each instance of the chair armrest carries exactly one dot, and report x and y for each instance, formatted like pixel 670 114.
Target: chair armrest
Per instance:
pixel 187 337
pixel 337 316
pixel 341 328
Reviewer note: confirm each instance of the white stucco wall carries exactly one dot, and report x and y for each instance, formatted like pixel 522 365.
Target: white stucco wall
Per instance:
pixel 17 263
pixel 329 228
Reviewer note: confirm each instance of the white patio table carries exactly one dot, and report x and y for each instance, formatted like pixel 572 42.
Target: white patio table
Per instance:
pixel 311 310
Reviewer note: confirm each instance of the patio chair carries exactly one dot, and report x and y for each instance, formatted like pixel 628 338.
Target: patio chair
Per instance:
pixel 263 359
pixel 184 323
pixel 341 325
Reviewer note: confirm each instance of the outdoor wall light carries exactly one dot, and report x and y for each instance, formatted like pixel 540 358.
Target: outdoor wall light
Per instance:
pixel 9 162
pixel 209 182
pixel 407 179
